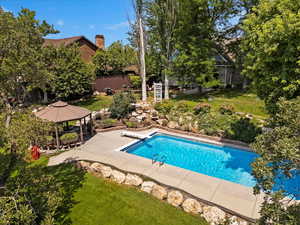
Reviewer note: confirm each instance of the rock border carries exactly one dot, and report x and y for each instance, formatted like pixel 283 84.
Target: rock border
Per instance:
pixel 180 199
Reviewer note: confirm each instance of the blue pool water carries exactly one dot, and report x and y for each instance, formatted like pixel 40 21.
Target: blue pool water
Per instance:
pixel 226 163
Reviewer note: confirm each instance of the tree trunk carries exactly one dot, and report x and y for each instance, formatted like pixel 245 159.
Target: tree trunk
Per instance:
pixel 45 96
pixel 142 60
pixel 166 86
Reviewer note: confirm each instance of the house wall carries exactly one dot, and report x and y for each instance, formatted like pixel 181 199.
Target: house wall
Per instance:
pixel 116 82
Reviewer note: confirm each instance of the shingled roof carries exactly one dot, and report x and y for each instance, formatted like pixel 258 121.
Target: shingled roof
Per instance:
pixel 66 41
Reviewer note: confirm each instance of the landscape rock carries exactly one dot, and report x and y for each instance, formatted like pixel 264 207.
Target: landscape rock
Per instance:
pixel 84 165
pixel 134 114
pixel 133 119
pixel 213 215
pixel 159 192
pixel 96 167
pixel 147 186
pixel 106 171
pixel 173 125
pixel 236 221
pixel 118 176
pixel 133 180
pixel 175 198
pixel 162 122
pixel 192 206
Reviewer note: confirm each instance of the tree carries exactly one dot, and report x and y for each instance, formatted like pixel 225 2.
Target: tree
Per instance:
pixel 70 77
pixel 138 27
pixel 162 21
pixel 21 69
pixel 279 162
pixel 271 45
pixel 114 59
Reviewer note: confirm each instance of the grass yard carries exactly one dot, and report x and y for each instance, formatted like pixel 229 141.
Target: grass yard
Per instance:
pixel 102 202
pixel 92 201
pixel 245 102
pixel 96 103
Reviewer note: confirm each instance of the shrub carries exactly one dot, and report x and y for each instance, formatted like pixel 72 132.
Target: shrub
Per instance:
pixel 131 124
pixel 226 109
pixel 107 123
pixel 49 139
pixel 182 106
pixel 69 137
pixel 122 105
pixel 202 108
pixel 136 81
pixel 244 130
pixel 164 107
pixel 215 124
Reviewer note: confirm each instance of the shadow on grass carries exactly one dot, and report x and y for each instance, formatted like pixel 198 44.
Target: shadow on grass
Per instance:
pixel 50 190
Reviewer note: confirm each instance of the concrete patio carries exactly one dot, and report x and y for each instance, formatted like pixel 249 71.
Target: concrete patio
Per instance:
pixel 103 147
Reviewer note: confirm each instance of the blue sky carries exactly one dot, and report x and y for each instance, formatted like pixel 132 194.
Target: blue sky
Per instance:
pixel 80 17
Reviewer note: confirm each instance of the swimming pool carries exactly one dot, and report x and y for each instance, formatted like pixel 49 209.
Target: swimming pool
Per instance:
pixel 222 162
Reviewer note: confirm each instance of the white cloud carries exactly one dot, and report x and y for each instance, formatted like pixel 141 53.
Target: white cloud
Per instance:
pixel 5 9
pixel 92 26
pixel 117 26
pixel 60 23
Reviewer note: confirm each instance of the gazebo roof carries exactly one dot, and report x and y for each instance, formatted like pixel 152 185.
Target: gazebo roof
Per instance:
pixel 61 111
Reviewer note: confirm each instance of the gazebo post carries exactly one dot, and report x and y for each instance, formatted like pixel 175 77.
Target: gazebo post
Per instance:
pixel 91 124
pixel 57 137
pixel 85 127
pixel 81 132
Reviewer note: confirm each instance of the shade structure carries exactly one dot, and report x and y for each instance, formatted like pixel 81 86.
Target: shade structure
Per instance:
pixel 61 112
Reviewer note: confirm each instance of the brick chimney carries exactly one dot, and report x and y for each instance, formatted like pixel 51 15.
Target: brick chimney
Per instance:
pixel 100 41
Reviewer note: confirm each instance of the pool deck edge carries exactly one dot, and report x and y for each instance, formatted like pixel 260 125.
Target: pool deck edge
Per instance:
pixel 229 196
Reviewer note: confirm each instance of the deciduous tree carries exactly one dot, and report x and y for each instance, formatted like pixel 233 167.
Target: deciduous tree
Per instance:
pixel 279 163
pixel 271 45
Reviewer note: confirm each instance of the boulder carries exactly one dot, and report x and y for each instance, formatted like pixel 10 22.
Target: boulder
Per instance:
pixel 236 221
pixel 162 122
pixel 192 206
pixel 106 171
pixel 159 192
pixel 133 119
pixel 147 186
pixel 139 111
pixel 118 176
pixel 175 198
pixel 83 165
pixel 96 167
pixel 213 215
pixel 173 125
pixel 134 114
pixel 133 180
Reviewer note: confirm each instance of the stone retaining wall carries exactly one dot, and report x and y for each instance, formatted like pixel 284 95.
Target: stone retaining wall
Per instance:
pixel 173 196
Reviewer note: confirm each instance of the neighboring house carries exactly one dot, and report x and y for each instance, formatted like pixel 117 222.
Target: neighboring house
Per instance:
pixel 88 50
pixel 86 47
pixel 228 74
pixel 226 71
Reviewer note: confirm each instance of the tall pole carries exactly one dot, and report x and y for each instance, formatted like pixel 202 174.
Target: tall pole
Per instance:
pixel 142 59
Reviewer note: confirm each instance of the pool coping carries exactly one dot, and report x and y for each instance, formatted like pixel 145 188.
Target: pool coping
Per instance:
pixel 210 201
pixel 233 198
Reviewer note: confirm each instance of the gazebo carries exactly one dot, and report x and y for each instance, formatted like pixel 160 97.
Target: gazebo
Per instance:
pixel 60 112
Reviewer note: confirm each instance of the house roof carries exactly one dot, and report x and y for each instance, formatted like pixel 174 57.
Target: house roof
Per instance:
pixel 61 111
pixel 66 41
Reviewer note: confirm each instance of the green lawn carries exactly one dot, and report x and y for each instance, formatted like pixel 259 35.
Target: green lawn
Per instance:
pixel 92 201
pixel 96 103
pixel 102 202
pixel 245 102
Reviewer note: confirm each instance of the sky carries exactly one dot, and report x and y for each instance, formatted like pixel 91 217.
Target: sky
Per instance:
pixel 80 17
